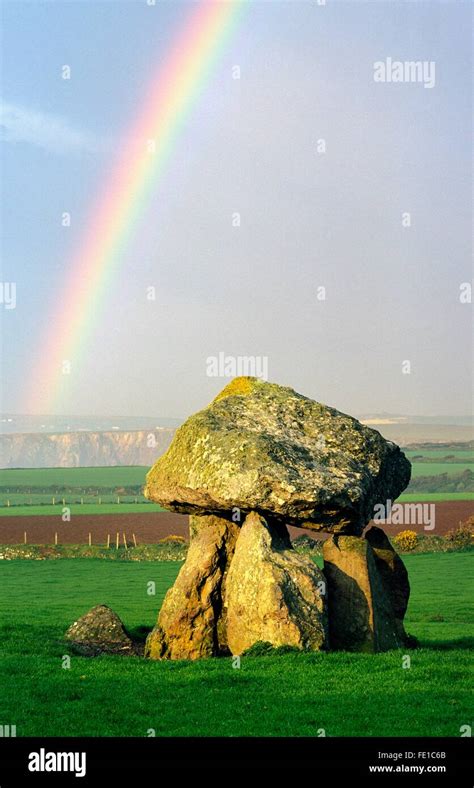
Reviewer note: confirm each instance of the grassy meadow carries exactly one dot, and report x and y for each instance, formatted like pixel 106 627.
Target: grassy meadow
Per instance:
pixel 438 468
pixel 28 510
pixel 292 695
pixel 111 476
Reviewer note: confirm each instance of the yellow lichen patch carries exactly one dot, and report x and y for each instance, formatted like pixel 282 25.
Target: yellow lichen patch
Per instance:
pixel 238 386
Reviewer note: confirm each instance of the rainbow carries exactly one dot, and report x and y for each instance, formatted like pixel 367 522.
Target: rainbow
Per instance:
pixel 174 90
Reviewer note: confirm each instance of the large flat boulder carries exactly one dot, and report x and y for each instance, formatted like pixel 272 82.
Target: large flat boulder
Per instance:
pixel 273 594
pixel 263 447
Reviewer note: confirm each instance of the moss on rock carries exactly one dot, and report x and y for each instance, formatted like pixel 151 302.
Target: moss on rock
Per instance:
pixel 263 447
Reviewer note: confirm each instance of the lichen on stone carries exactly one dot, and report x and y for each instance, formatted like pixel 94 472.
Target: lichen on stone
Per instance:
pixel 238 387
pixel 264 447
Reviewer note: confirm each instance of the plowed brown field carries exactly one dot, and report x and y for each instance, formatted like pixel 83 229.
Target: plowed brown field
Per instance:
pixel 150 528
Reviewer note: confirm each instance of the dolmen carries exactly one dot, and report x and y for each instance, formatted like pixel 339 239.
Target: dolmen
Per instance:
pixel 261 457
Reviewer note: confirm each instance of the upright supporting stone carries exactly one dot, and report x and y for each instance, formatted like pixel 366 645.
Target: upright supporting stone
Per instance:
pixel 361 617
pixel 394 576
pixel 191 623
pixel 273 594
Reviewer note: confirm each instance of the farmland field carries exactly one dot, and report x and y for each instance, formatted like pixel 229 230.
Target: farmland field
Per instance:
pixel 111 490
pixel 78 509
pixel 150 526
pixel 434 462
pixel 437 468
pixel 113 476
pixel 433 454
pixel 38 488
pixel 133 475
pixel 146 507
pixel 292 695
pixel 46 490
pixel 434 497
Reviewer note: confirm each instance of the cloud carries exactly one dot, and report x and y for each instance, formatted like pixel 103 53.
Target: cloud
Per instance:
pixel 50 132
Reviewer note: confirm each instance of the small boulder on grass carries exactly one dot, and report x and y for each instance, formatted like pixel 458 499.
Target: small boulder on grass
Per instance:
pixel 100 631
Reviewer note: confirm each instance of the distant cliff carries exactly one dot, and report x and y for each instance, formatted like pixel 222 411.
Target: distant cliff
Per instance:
pixel 83 449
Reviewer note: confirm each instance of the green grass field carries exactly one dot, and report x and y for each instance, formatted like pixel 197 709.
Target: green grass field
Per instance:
pixel 114 476
pixel 437 468
pixel 87 508
pixel 433 497
pixel 431 454
pixel 43 489
pixel 292 695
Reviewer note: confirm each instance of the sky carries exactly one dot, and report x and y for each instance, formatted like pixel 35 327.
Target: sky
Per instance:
pixel 307 215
